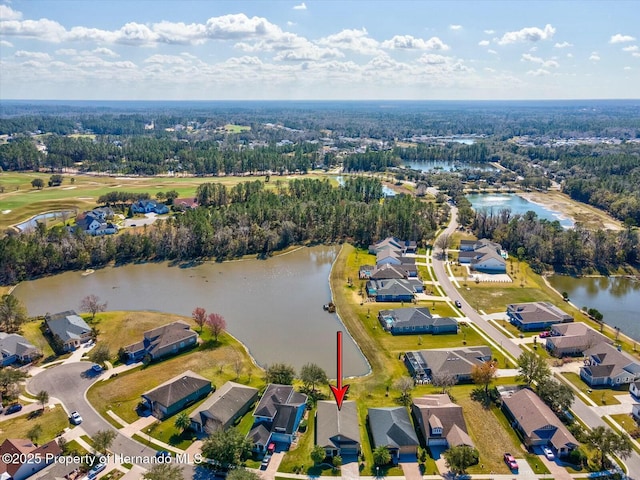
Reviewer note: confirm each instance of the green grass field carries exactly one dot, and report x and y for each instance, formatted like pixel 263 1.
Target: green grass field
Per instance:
pixel 53 422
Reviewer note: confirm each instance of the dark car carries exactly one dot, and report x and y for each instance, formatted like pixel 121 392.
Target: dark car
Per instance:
pixel 162 453
pixel 16 407
pixel 458 303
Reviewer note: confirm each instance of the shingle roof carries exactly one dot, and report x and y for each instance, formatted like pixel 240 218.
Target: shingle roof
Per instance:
pixel 259 434
pixel 408 317
pixel 163 336
pixel 440 408
pixel 177 388
pixel 334 427
pixel 611 362
pixel 224 404
pixel 391 427
pixel 14 344
pixel 454 362
pixel 575 335
pixel 16 446
pixel 535 312
pixel 67 325
pixel 276 395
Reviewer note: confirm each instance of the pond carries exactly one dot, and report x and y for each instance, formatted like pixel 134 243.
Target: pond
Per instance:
pixel 447 166
pixel 273 306
pixel 617 298
pixel 30 224
pixel 517 205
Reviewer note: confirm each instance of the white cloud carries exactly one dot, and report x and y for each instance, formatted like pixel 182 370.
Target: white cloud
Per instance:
pixel 528 34
pixel 563 45
pixel 34 55
pixel 484 43
pixel 455 27
pixel 166 60
pixel 105 52
pixel 4 43
pixel 8 13
pixel 569 55
pixel 539 72
pixel 308 53
pixel 627 68
pixel 619 38
pixel 630 48
pixel 594 57
pixel 411 43
pixel 290 23
pixel 489 70
pixel 636 54
pixel 492 52
pixel 489 32
pixel 526 57
pixel 302 6
pixel 352 39
pixel 66 51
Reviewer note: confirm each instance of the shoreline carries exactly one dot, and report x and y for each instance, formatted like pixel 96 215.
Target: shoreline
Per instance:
pixel 531 198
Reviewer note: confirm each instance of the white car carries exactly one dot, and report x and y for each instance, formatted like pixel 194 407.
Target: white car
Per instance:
pixel 75 418
pixel 548 453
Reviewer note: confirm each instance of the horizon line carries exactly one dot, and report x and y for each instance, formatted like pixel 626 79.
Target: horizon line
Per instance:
pixel 316 100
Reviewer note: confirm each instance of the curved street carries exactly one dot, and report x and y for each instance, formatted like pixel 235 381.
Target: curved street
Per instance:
pixel 579 408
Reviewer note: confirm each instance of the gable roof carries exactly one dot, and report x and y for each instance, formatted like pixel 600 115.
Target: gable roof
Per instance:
pixel 67 325
pixel 163 336
pixel 533 414
pixel 391 427
pixel 421 316
pixel 224 404
pixel 440 407
pixel 276 395
pixel 13 446
pixel 452 362
pixel 535 312
pixel 177 388
pixel 395 286
pixel 336 427
pixel 575 335
pixel 610 361
pixel 14 344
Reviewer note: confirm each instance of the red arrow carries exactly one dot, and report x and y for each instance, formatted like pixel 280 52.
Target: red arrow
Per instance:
pixel 339 391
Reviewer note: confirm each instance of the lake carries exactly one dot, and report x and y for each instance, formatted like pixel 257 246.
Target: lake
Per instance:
pixel 517 205
pixel 618 299
pixel 273 306
pixel 30 224
pixel 447 166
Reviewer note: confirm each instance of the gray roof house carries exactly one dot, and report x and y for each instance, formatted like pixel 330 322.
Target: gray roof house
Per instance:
pixel 16 348
pixel 441 421
pixel 483 255
pixel 68 328
pixel 338 431
pixel 537 422
pixel 391 427
pixel 223 408
pixel 176 393
pixel 404 321
pixel 605 365
pixel 166 340
pixel 573 339
pixel 536 315
pixel 425 364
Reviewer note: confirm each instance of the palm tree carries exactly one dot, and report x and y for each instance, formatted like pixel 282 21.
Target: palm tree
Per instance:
pixel 182 421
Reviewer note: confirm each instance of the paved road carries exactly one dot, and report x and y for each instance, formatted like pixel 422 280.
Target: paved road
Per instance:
pixel 582 410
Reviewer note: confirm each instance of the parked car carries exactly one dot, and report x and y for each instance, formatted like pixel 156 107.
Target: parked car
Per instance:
pixel 163 453
pixel 93 473
pixel 96 368
pixel 75 418
pixel 458 303
pixel 545 334
pixel 16 407
pixel 510 461
pixel 548 453
pixel 265 462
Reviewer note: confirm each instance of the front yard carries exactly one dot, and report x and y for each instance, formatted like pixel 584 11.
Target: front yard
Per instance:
pixel 53 422
pixel 599 395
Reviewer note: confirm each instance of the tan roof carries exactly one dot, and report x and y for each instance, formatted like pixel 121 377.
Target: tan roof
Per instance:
pixel 439 411
pixel 538 312
pixel 15 446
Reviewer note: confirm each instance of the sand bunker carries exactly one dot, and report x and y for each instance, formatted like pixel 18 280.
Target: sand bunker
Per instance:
pixel 4 212
pixel 68 188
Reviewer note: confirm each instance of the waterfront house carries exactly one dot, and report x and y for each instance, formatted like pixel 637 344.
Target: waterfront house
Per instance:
pixel 425 364
pixel 394 290
pixel 16 348
pixel 391 427
pixel 606 365
pixel 68 328
pixel 175 394
pixel 483 256
pixel 30 458
pixel 221 410
pixel 149 206
pixel 537 423
pixel 409 321
pixel 571 339
pixel 635 411
pixel 166 340
pixel 96 222
pixel 277 416
pixel 536 315
pixel 441 421
pixel 337 431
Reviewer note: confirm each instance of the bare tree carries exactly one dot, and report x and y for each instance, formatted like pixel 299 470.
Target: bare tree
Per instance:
pixel 443 380
pixel 443 242
pixel 92 304
pixel 238 365
pixel 405 385
pixel 199 316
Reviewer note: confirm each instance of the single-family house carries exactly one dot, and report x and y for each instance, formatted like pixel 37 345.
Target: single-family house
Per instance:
pixel 277 416
pixel 394 290
pixel 634 388
pixel 16 348
pixel 425 364
pixel 149 206
pixel 441 421
pixel 387 271
pixel 391 427
pixel 337 431
pixel 483 256
pixel 175 394
pixel 606 365
pixel 536 315
pixel 409 321
pixel 403 246
pixel 166 340
pixel 68 328
pixel 571 339
pixel 635 411
pixel 537 423
pixel 96 222
pixel 30 457
pixel 186 203
pixel 221 410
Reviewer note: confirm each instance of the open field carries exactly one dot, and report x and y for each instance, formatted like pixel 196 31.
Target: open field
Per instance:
pixel 214 361
pixel 53 422
pixel 231 128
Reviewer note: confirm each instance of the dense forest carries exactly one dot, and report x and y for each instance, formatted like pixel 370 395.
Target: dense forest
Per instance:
pixel 246 219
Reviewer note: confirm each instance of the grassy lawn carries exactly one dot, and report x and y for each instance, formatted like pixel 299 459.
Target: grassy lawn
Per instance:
pixel 32 331
pixel 626 421
pixel 231 128
pixel 122 394
pixel 601 396
pixel 53 422
pixel 74 448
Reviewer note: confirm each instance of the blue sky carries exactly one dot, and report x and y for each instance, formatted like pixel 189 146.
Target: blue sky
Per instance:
pixel 329 49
